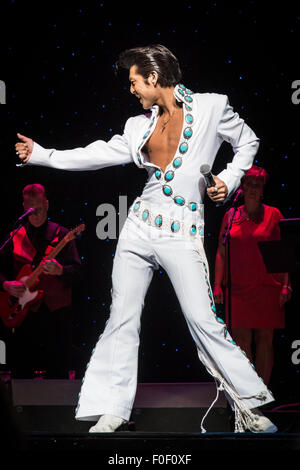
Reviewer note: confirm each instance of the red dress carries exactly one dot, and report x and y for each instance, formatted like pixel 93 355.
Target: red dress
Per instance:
pixel 254 292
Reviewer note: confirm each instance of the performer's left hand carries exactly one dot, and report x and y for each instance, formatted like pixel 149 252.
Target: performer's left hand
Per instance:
pixel 285 296
pixel 53 267
pixel 221 194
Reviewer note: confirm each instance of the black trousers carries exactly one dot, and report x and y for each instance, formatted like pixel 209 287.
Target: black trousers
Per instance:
pixel 42 342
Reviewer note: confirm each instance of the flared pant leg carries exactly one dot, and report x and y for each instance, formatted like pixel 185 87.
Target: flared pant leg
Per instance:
pixel 187 269
pixel 110 381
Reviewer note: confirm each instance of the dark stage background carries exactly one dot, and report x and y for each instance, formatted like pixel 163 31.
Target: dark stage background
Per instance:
pixel 57 63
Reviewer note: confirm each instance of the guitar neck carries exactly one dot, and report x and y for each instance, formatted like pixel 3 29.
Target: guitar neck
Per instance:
pixel 31 280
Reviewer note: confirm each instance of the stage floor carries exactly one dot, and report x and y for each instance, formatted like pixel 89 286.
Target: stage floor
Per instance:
pixel 165 424
pixel 144 449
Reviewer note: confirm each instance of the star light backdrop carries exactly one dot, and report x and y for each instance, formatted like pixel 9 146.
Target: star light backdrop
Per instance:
pixel 62 92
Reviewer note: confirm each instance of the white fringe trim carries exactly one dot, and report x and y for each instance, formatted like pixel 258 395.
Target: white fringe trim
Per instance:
pixel 244 418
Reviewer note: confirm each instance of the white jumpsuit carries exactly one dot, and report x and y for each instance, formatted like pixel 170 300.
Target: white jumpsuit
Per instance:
pixel 165 227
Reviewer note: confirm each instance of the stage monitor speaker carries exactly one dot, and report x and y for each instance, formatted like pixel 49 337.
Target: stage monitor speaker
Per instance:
pixel 49 406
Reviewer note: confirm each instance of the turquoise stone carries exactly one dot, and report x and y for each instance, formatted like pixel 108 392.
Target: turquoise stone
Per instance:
pixel 169 175
pixel 175 226
pixel 188 133
pixel 189 91
pixel 158 220
pixel 202 232
pixel 214 308
pixel 167 190
pixel 210 294
pixel 181 92
pixel 146 135
pixel 183 147
pixel 136 206
pixel 177 162
pixel 179 200
pixel 219 320
pixel 225 332
pixel 145 215
pixel 182 86
pixel 158 174
pixel 193 206
pixel 189 118
pixel 140 161
pixel 193 230
pixel 233 342
pixel 188 98
pixel 188 108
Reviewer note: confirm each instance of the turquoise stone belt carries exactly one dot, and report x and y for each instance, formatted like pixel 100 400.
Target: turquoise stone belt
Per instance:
pixel 162 222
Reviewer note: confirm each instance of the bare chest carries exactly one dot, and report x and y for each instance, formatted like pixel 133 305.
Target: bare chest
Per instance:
pixel 163 143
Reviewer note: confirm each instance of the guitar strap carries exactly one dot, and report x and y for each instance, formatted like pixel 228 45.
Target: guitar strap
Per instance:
pixel 51 235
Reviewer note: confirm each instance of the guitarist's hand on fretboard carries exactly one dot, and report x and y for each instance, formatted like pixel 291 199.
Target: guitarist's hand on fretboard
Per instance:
pixel 51 266
pixel 14 288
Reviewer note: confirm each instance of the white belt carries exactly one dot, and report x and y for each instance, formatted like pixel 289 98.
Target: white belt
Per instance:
pixel 193 229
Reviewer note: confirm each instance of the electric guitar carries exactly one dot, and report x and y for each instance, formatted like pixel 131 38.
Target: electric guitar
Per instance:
pixel 13 310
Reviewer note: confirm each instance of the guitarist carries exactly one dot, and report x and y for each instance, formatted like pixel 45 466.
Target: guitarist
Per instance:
pixel 43 340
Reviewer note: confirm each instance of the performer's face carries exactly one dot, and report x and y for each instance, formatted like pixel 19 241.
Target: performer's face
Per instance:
pixel 253 189
pixel 40 205
pixel 143 89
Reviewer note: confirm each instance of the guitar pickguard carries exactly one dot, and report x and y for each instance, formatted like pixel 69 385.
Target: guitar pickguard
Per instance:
pixel 28 296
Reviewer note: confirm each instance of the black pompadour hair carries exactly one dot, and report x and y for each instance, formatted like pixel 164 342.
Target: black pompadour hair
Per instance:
pixel 152 58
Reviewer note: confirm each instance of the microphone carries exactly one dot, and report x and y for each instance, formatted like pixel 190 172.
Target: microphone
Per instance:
pixel 205 169
pixel 21 219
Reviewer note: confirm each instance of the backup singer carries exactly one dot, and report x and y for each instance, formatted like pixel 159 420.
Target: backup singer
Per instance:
pixel 164 227
pixel 257 297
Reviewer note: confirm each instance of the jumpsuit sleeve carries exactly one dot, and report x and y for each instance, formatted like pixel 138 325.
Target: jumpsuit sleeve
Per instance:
pixel 233 129
pixel 97 155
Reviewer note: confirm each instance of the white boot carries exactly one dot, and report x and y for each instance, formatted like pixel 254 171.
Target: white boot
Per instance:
pixel 262 423
pixel 254 421
pixel 107 423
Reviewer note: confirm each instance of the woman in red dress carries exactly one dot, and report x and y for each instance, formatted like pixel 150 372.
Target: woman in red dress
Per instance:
pixel 257 298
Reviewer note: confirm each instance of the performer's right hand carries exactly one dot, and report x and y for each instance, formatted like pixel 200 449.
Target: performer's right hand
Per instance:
pixel 218 294
pixel 14 288
pixel 24 148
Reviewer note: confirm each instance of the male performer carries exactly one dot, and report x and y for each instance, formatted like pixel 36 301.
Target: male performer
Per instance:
pixel 43 339
pixel 165 227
